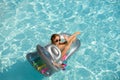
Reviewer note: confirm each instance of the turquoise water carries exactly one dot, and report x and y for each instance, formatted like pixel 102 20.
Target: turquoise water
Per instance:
pixel 26 23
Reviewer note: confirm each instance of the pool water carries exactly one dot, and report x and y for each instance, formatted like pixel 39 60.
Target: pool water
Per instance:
pixel 26 23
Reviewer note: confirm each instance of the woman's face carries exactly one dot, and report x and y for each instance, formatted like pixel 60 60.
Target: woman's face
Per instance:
pixel 57 40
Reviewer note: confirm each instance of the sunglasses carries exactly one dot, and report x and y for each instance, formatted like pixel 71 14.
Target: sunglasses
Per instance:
pixel 57 40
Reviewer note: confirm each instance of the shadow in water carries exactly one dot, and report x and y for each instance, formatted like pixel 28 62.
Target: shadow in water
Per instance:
pixel 21 71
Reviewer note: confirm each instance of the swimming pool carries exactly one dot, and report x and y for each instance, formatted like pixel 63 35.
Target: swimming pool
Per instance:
pixel 26 23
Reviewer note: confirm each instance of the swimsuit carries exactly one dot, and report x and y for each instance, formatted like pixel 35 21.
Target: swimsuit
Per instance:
pixel 64 57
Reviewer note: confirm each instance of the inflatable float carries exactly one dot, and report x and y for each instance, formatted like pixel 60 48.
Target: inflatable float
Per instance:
pixel 43 57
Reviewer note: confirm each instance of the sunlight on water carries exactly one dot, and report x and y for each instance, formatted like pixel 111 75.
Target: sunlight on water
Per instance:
pixel 26 23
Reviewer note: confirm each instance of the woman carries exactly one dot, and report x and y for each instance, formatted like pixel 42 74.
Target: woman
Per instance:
pixel 63 46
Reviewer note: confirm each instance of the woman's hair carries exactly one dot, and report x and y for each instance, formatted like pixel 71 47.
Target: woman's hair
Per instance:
pixel 53 37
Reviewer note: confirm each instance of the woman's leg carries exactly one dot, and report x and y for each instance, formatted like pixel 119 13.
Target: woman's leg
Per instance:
pixel 67 46
pixel 71 38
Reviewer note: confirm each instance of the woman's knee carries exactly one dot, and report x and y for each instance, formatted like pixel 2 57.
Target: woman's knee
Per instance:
pixel 72 39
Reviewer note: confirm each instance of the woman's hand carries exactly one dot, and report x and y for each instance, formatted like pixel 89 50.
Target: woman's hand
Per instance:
pixel 65 37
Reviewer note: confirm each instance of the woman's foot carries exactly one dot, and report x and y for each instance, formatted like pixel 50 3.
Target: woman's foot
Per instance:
pixel 66 37
pixel 59 65
pixel 77 33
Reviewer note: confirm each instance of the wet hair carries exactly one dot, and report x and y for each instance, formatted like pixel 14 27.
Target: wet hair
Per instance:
pixel 53 37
